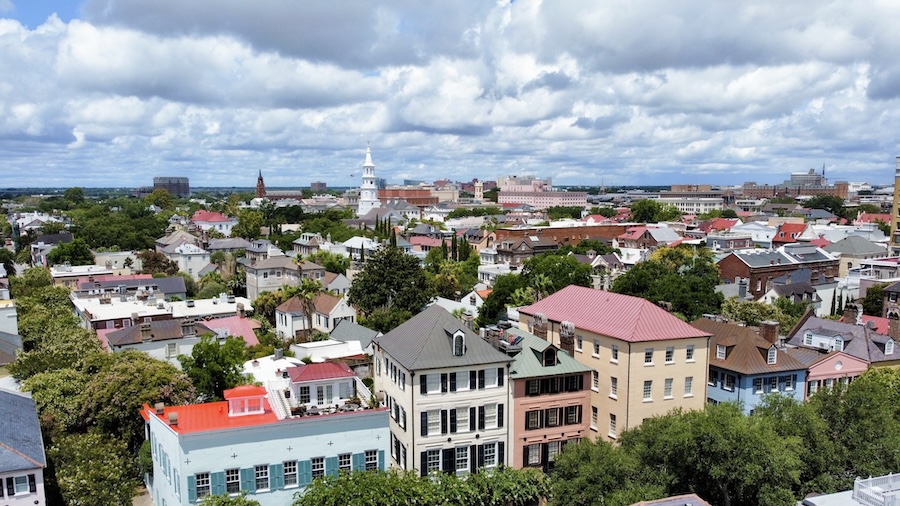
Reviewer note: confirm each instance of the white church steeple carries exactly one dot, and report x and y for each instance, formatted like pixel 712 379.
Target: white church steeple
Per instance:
pixel 368 192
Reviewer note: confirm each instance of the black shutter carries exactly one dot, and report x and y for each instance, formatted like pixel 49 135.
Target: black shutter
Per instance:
pixel 480 417
pixel 480 456
pixel 472 418
pixel 480 379
pixel 1 487
pixel 499 415
pixel 452 421
pixel 545 386
pixel 443 421
pixel 499 376
pixel 472 380
pixel 423 468
pixel 10 487
pixel 452 381
pixel 449 457
pixel 580 382
pixel 578 409
pixel 525 456
pixel 423 384
pixel 501 457
pixel 444 382
pixel 32 485
pixel 424 430
pixel 545 459
pixel 473 457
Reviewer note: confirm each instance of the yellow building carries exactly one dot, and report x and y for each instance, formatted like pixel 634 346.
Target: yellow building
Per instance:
pixel 645 361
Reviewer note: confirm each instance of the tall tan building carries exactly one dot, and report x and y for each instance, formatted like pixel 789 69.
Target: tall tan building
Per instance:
pixel 644 361
pixel 895 213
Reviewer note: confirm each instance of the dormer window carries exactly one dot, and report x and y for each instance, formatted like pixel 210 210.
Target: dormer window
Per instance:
pixel 773 354
pixel 459 345
pixel 720 352
pixel 889 347
pixel 807 338
pixel 549 357
pixel 838 344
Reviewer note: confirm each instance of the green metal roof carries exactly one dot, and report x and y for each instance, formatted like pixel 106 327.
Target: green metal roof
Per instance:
pixel 529 362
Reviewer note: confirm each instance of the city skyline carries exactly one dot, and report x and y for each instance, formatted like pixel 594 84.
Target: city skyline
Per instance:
pixel 103 93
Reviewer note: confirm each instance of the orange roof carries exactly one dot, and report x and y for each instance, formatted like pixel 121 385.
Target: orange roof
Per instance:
pixel 210 416
pixel 244 391
pixel 633 233
pixel 208 216
pixel 484 293
pixel 873 217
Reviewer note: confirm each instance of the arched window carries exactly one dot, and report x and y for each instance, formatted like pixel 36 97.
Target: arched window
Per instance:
pixel 773 353
pixel 889 347
pixel 549 357
pixel 459 345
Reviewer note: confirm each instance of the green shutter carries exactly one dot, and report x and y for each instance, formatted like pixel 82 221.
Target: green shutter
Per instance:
pixel 304 472
pixel 192 489
pixel 359 461
pixel 331 466
pixel 248 480
pixel 276 476
pixel 381 459
pixel 217 483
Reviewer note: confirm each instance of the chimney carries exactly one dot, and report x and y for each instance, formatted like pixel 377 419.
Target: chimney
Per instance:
pixel 240 310
pixel 160 408
pixel 742 288
pixel 279 354
pixel 851 314
pixel 894 326
pixel 134 318
pixel 539 326
pixel 769 331
pixel 567 337
pixel 173 419
pixel 469 319
pixel 145 332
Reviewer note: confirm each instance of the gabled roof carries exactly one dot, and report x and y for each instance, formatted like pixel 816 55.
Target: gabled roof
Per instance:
pixel 859 340
pixel 718 224
pixel 322 371
pixel 610 314
pixel 202 215
pixel 176 237
pixel 346 331
pixel 21 445
pixel 748 353
pixel 276 262
pixel 425 342
pixel 228 243
pixel 854 245
pixel 236 326
pixel 160 330
pixel 529 362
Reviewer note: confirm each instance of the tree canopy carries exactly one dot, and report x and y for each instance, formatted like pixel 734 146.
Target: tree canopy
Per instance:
pixel 213 367
pixel 392 280
pixel 75 252
pixel 652 211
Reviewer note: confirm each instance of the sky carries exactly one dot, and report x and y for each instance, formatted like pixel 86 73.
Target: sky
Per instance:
pixel 110 93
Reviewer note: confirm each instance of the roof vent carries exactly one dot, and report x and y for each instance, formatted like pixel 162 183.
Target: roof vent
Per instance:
pixel 160 408
pixel 173 419
pixel 190 303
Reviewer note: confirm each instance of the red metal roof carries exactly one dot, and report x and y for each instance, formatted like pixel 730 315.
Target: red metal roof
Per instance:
pixel 237 326
pixel 873 217
pixel 244 391
pixel 325 370
pixel 210 416
pixel 633 233
pixel 610 314
pixel 208 216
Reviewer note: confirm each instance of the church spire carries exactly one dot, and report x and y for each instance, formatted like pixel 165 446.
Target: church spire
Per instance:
pixel 260 186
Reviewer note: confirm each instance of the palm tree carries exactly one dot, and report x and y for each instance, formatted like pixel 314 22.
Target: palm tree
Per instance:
pixel 306 292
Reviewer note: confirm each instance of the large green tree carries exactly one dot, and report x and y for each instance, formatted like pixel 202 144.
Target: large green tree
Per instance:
pixel 651 211
pixel 248 225
pixel 8 261
pixel 94 468
pixel 76 252
pixel 330 261
pixel 873 302
pixel 154 262
pixel 494 307
pixel 390 279
pixel 213 367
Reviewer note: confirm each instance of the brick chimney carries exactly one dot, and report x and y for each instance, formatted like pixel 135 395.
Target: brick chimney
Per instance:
pixel 240 310
pixel 567 337
pixel 145 332
pixel 768 330
pixel 851 314
pixel 539 326
pixel 894 327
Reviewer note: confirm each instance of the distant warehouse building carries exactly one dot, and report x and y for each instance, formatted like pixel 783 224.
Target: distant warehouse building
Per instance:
pixel 176 186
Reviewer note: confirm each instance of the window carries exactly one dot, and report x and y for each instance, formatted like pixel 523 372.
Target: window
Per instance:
pixel 344 462
pixel 838 344
pixel 773 384
pixel 262 477
pixel 318 466
pixel 807 338
pixel 612 425
pixel 462 419
pixel 596 348
pixel 372 460
pixel 533 420
pixel 462 460
pixel 290 473
pixel 533 387
pixel 720 352
pixel 594 417
pixel 689 353
pixel 434 421
pixel 579 342
pixel 614 387
pixel 889 347
pixel 459 345
pixel 757 385
pixel 648 390
pixel 490 377
pixel 648 356
pixel 553 417
pixel 549 357
pixel 670 355
pixel 615 353
pixel 233 481
pixel 552 450
pixel 490 416
pixel 202 480
pixel 595 385
pixel 304 395
pixel 729 382
pixel 667 388
pixel 324 395
pixel 433 383
pixel 713 378
pixel 171 350
pixel 533 452
pixel 573 415
pixel 770 358
pixel 433 461
pixel 789 382
pixel 689 386
pixel 490 455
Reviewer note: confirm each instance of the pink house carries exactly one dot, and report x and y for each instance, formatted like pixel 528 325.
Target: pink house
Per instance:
pixel 825 370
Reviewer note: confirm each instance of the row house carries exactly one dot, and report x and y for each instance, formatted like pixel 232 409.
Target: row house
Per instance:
pixel 761 267
pixel 267 442
pixel 644 361
pixel 517 251
pixel 648 238
pixel 448 393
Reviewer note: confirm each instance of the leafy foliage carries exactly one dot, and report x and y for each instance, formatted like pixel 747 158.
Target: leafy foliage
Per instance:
pixel 830 203
pixel 76 252
pixel 651 211
pixel 31 280
pixel 213 367
pixel 561 212
pixel 390 279
pixel 873 302
pixel 93 468
pixel 462 212
pixel 332 262
pixel 494 307
pixel 154 262
pixel 248 225
pixel 784 311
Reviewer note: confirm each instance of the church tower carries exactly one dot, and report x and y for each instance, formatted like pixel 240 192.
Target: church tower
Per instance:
pixel 368 192
pixel 260 186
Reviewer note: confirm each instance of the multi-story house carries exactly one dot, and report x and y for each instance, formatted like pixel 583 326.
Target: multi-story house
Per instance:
pixel 743 366
pixel 761 267
pixel 190 258
pixel 265 441
pixel 850 336
pixel 448 393
pixel 275 272
pixel 647 361
pixel 211 220
pixel 549 401
pixel 291 320
pixel 516 251
pixel 22 459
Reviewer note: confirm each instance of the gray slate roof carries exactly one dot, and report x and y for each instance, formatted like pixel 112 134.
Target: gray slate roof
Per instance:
pixel 424 342
pixel 346 331
pixel 21 445
pixel 854 245
pixel 9 345
pixel 529 362
pixel 859 340
pixel 228 243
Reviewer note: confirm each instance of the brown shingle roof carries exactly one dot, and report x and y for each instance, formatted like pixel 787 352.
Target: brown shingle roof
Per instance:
pixel 747 352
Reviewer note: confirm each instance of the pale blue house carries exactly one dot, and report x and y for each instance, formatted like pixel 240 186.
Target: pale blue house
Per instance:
pixel 744 367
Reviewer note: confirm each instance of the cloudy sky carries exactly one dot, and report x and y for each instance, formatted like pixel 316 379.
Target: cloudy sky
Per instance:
pixel 624 92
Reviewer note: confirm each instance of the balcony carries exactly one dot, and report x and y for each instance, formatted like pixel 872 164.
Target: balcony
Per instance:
pixel 289 407
pixel 880 491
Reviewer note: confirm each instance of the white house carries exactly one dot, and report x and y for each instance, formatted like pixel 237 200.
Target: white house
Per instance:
pixel 211 220
pixel 190 258
pixel 291 320
pixel 22 458
pixel 447 391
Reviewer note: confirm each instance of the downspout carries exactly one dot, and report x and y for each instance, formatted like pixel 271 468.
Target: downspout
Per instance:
pixel 628 395
pixel 411 420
